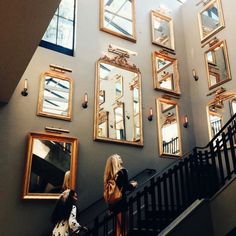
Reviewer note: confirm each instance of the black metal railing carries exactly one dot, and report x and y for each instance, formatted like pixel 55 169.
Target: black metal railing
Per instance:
pixel 172 146
pixel 168 194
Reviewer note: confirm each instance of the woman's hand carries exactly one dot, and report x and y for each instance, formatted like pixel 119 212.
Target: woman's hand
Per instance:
pixel 134 183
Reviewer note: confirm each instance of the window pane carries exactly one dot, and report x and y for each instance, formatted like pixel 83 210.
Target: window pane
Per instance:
pixel 65 33
pixel 50 34
pixel 66 9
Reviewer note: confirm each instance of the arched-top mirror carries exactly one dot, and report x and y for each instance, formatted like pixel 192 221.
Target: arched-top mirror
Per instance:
pixel 169 137
pixel 118 106
pixel 50 165
pixel 162 30
pixel 165 73
pixel 117 17
pixel 55 96
pixel 219 111
pixel 210 19
pixel 217 64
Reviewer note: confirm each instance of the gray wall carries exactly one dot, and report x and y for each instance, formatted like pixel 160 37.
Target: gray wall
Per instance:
pixel 195 58
pixel 31 217
pixel 223 210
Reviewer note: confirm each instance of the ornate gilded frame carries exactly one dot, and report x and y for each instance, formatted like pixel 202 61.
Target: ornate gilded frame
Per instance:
pixel 214 47
pixel 161 16
pixel 51 137
pixel 121 62
pixel 159 124
pixel 131 38
pixel 221 19
pixel 60 76
pixel 175 74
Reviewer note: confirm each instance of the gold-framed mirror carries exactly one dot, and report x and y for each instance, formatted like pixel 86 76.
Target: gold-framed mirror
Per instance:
pixel 117 17
pixel 217 64
pixel 168 123
pixel 162 30
pixel 165 73
pixel 210 19
pixel 51 165
pixel 55 95
pixel 219 110
pixel 119 117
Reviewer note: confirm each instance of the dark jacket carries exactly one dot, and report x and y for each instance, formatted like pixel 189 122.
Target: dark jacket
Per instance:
pixel 124 185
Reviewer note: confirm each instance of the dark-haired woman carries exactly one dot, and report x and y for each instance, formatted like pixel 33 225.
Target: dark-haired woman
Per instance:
pixel 64 215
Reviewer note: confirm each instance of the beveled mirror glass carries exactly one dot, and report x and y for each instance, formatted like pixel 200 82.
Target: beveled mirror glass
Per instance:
pixel 217 65
pixel 169 137
pixel 219 111
pixel 119 117
pixel 165 73
pixel 55 96
pixel 210 19
pixel 50 165
pixel 162 30
pixel 117 17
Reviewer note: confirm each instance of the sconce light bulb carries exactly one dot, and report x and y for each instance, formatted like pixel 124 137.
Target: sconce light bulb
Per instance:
pixel 185 123
pixel 85 102
pixel 24 92
pixel 150 116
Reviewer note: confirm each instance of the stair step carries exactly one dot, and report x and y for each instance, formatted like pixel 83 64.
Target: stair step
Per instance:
pixel 142 232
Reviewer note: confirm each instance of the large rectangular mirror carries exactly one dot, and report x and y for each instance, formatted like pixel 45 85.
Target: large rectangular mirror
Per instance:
pixel 55 96
pixel 219 111
pixel 117 17
pixel 118 118
pixel 170 144
pixel 165 73
pixel 50 165
pixel 210 19
pixel 162 30
pixel 217 64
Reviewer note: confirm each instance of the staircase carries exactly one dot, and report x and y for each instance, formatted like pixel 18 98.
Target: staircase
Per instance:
pixel 168 194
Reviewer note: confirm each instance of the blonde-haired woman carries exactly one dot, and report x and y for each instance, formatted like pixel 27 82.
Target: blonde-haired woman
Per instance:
pixel 114 170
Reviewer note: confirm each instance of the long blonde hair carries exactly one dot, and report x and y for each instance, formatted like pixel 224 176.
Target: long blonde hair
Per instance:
pixel 113 165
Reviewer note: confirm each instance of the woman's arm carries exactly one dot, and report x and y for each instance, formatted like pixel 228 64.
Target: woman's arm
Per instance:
pixel 122 181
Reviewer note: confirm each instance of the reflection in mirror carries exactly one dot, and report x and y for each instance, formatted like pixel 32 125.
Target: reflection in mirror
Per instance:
pixel 165 73
pixel 162 30
pixel 118 118
pixel 119 86
pixel 168 128
pixel 101 97
pixel 55 96
pixel 217 64
pixel 220 110
pixel 118 18
pixel 210 19
pixel 50 166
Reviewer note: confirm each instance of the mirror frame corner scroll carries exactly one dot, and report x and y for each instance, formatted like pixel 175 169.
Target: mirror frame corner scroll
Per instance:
pixel 60 76
pixel 103 28
pixel 221 18
pixel 171 27
pixel 121 63
pixel 28 164
pixel 159 137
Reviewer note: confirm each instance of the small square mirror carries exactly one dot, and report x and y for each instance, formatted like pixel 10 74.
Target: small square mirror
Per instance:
pixel 162 30
pixel 210 20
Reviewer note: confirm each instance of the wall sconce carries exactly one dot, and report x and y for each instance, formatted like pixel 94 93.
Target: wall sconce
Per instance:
pixel 24 92
pixel 85 103
pixel 59 68
pixel 195 75
pixel 150 116
pixel 185 121
pixel 56 130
